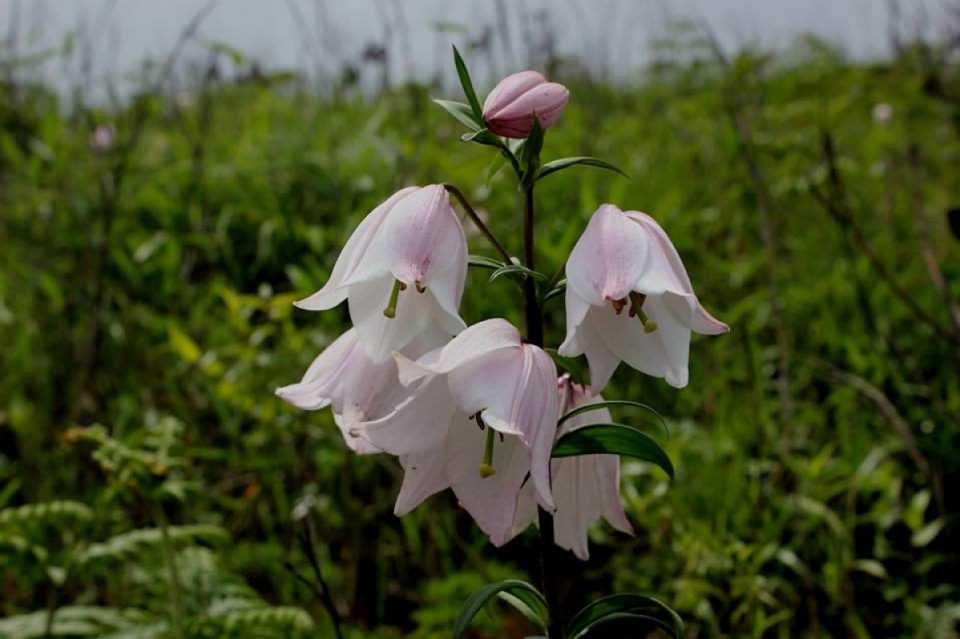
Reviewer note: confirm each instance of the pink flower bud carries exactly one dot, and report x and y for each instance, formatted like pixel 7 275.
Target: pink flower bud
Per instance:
pixel 509 109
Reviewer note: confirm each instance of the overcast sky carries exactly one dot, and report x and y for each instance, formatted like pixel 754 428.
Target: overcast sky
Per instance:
pixel 317 36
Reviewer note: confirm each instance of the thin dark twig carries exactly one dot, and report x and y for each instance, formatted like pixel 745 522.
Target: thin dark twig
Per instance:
pixel 472 214
pixel 308 546
pixel 838 207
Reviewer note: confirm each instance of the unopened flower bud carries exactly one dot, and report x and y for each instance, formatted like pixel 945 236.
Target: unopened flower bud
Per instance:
pixel 510 108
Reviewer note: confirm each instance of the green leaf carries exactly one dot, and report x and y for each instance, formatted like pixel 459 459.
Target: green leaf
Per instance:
pixel 625 606
pixel 556 290
pixel 569 364
pixel 520 589
pixel 612 439
pixel 467 85
pixel 522 605
pixel 615 402
pixel 557 165
pixel 483 136
pixel 482 261
pixel 461 112
pixel 516 269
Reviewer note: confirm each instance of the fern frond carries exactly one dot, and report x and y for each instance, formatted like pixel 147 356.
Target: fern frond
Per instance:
pixel 51 513
pixel 134 542
pixel 73 621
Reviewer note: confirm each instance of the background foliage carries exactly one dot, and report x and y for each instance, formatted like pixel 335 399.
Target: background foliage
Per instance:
pixel 146 288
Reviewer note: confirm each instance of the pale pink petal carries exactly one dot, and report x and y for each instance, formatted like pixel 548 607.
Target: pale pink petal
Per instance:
pixel 373 391
pixel 323 380
pixel 607 469
pixel 509 89
pixel 576 309
pixel 381 336
pixel 354 443
pixel 609 258
pixel 516 390
pixel 424 474
pixel 491 501
pixel 447 288
pixel 526 513
pixel 352 255
pixel 547 100
pixel 423 235
pixel 576 491
pixel 691 314
pixel 418 424
pixel 586 340
pixel 660 353
pixel 666 273
pixel 476 341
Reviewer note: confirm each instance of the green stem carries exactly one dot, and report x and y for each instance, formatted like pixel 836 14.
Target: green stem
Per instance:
pixel 454 191
pixel 533 316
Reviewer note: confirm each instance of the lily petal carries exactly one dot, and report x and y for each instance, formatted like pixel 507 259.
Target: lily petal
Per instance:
pixel 609 258
pixel 324 378
pixel 424 474
pixel 380 335
pixel 491 501
pixel 352 255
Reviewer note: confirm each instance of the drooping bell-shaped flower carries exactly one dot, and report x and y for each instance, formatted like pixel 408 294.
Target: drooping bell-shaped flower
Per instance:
pixel 585 487
pixel 484 416
pixel 510 107
pixel 402 270
pixel 629 299
pixel 356 388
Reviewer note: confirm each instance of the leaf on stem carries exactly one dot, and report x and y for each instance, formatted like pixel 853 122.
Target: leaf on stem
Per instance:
pixel 462 112
pixel 612 439
pixel 467 85
pixel 559 289
pixel 521 591
pixel 644 610
pixel 482 261
pixel 517 269
pixel 586 408
pixel 557 165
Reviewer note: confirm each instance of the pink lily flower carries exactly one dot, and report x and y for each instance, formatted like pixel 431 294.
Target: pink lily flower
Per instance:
pixel 626 261
pixel 358 389
pixel 413 240
pixel 484 416
pixel 586 487
pixel 509 108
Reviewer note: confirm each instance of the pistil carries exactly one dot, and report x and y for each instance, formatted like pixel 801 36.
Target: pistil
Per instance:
pixel 486 467
pixel 636 310
pixel 391 309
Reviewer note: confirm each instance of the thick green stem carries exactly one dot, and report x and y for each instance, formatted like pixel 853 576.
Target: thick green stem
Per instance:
pixel 533 316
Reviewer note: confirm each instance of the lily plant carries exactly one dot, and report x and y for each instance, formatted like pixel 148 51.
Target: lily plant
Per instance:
pixel 482 409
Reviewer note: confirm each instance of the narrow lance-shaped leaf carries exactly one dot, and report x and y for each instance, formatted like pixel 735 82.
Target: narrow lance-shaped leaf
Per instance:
pixel 467 85
pixel 517 269
pixel 559 289
pixel 625 606
pixel 462 112
pixel 612 439
pixel 586 408
pixel 525 607
pixel 557 165
pixel 482 261
pixel 520 589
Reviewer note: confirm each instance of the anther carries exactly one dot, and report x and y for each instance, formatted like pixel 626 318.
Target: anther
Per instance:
pixel 391 309
pixel 420 287
pixel 618 305
pixel 486 467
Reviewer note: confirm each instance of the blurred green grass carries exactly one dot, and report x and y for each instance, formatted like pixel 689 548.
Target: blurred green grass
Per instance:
pixel 816 446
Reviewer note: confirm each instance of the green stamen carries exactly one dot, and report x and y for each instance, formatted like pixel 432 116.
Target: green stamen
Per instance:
pixel 486 468
pixel 636 308
pixel 391 309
